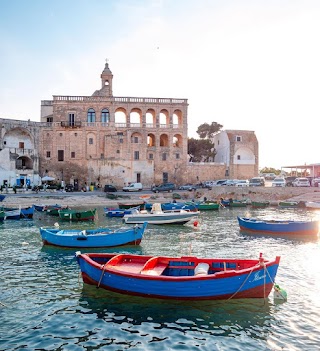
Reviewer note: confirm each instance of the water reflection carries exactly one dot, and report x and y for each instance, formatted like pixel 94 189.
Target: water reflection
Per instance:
pixel 253 316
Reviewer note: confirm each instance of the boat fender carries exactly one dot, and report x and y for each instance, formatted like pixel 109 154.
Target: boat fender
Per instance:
pixel 83 232
pixel 279 294
pixel 201 269
pixel 78 215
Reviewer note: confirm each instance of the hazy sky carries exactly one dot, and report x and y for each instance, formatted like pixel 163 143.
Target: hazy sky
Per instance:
pixel 251 65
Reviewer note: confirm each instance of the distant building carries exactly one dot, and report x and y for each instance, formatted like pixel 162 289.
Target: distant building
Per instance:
pixel 239 151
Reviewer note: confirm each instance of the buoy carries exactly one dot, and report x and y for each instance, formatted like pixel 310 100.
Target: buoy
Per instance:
pixel 279 294
pixel 195 223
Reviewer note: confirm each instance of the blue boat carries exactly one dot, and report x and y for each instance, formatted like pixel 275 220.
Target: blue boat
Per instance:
pixel 119 212
pixel 27 212
pixel 11 213
pixel 276 227
pixel 168 206
pixel 39 208
pixel 92 238
pixel 2 197
pixel 181 278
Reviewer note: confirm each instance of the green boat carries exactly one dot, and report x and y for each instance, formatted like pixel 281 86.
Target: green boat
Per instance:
pixel 260 204
pixel 207 206
pixel 68 214
pixel 237 203
pixel 288 203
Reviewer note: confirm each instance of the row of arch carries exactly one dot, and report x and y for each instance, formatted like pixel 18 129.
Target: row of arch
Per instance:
pixel 136 116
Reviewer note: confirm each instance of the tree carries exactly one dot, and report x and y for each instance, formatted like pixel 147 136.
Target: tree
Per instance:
pixel 207 131
pixel 202 150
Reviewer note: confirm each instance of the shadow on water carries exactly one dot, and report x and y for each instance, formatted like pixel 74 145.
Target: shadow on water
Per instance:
pixel 224 318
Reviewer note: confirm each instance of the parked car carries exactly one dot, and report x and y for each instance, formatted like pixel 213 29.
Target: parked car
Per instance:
pixel 301 182
pixel 257 181
pixel 219 182
pixel 289 180
pixel 163 187
pixel 315 182
pixel 69 188
pixel 188 187
pixel 278 182
pixel 242 183
pixel 231 182
pixel 108 188
pixel 133 187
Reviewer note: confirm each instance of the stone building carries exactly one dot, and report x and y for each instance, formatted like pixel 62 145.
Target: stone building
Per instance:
pixel 239 151
pixel 117 140
pixel 19 158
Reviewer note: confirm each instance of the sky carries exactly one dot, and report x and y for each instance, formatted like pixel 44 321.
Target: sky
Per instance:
pixel 247 65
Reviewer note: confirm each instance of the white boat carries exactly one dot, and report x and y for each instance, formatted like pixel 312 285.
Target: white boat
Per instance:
pixel 157 216
pixel 312 204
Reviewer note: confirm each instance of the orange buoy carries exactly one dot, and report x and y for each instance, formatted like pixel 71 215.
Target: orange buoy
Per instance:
pixel 195 223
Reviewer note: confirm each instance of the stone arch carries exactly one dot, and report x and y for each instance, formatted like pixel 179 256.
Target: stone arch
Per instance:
pixel 19 138
pixel 151 140
pixel 164 140
pixel 136 138
pixel 243 155
pixel 164 117
pixel 177 119
pixel 136 116
pixel 120 115
pixel 151 117
pixel 177 140
pixel 24 162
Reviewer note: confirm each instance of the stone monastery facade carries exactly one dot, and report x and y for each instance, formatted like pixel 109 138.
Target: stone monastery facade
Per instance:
pixel 103 139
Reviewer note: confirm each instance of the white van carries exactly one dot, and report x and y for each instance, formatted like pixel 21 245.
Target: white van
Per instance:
pixel 133 187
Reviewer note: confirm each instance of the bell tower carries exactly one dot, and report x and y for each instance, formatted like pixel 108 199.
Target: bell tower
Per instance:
pixel 106 82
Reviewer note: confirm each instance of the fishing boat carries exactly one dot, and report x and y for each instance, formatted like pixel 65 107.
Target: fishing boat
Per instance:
pixel 92 238
pixel 313 205
pixel 124 205
pixel 260 204
pixel 2 197
pixel 181 278
pixel 157 216
pixel 11 213
pixel 53 210
pixel 288 203
pixel 237 203
pixel 207 206
pixel 39 208
pixel 74 215
pixel 118 212
pixel 168 206
pixel 279 227
pixel 27 212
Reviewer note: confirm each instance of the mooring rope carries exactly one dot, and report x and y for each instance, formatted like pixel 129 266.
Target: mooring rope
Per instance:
pixel 234 294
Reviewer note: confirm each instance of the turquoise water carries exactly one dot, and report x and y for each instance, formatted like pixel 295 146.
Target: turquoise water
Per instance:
pixel 44 305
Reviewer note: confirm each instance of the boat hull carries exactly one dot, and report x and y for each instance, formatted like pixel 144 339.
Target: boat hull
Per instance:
pixel 96 238
pixel 255 281
pixel 77 215
pixel 161 218
pixel 305 228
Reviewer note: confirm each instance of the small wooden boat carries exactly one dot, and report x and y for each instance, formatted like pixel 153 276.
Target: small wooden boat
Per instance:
pixel 169 206
pixel 181 278
pixel 90 238
pixel 27 212
pixel 118 212
pixel 53 210
pixel 288 203
pixel 126 206
pixel 39 208
pixel 237 203
pixel 205 205
pixel 260 204
pixel 313 205
pixel 12 213
pixel 68 214
pixel 279 227
pixel 157 216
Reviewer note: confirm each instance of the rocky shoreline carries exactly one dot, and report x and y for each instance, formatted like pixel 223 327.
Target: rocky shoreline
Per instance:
pixel 99 198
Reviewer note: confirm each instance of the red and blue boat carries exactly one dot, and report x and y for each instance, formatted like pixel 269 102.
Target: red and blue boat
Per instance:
pixel 180 278
pixel 279 227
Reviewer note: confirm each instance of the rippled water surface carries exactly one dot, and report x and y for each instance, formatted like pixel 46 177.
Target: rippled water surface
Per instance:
pixel 45 306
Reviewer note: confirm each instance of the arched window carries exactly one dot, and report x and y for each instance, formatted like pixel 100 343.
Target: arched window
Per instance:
pixel 105 115
pixel 91 115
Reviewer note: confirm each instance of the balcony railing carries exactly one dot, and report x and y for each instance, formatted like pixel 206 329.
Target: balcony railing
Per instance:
pixel 112 99
pixel 67 124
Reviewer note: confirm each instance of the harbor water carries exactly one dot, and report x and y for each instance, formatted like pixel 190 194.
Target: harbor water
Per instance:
pixel 44 304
